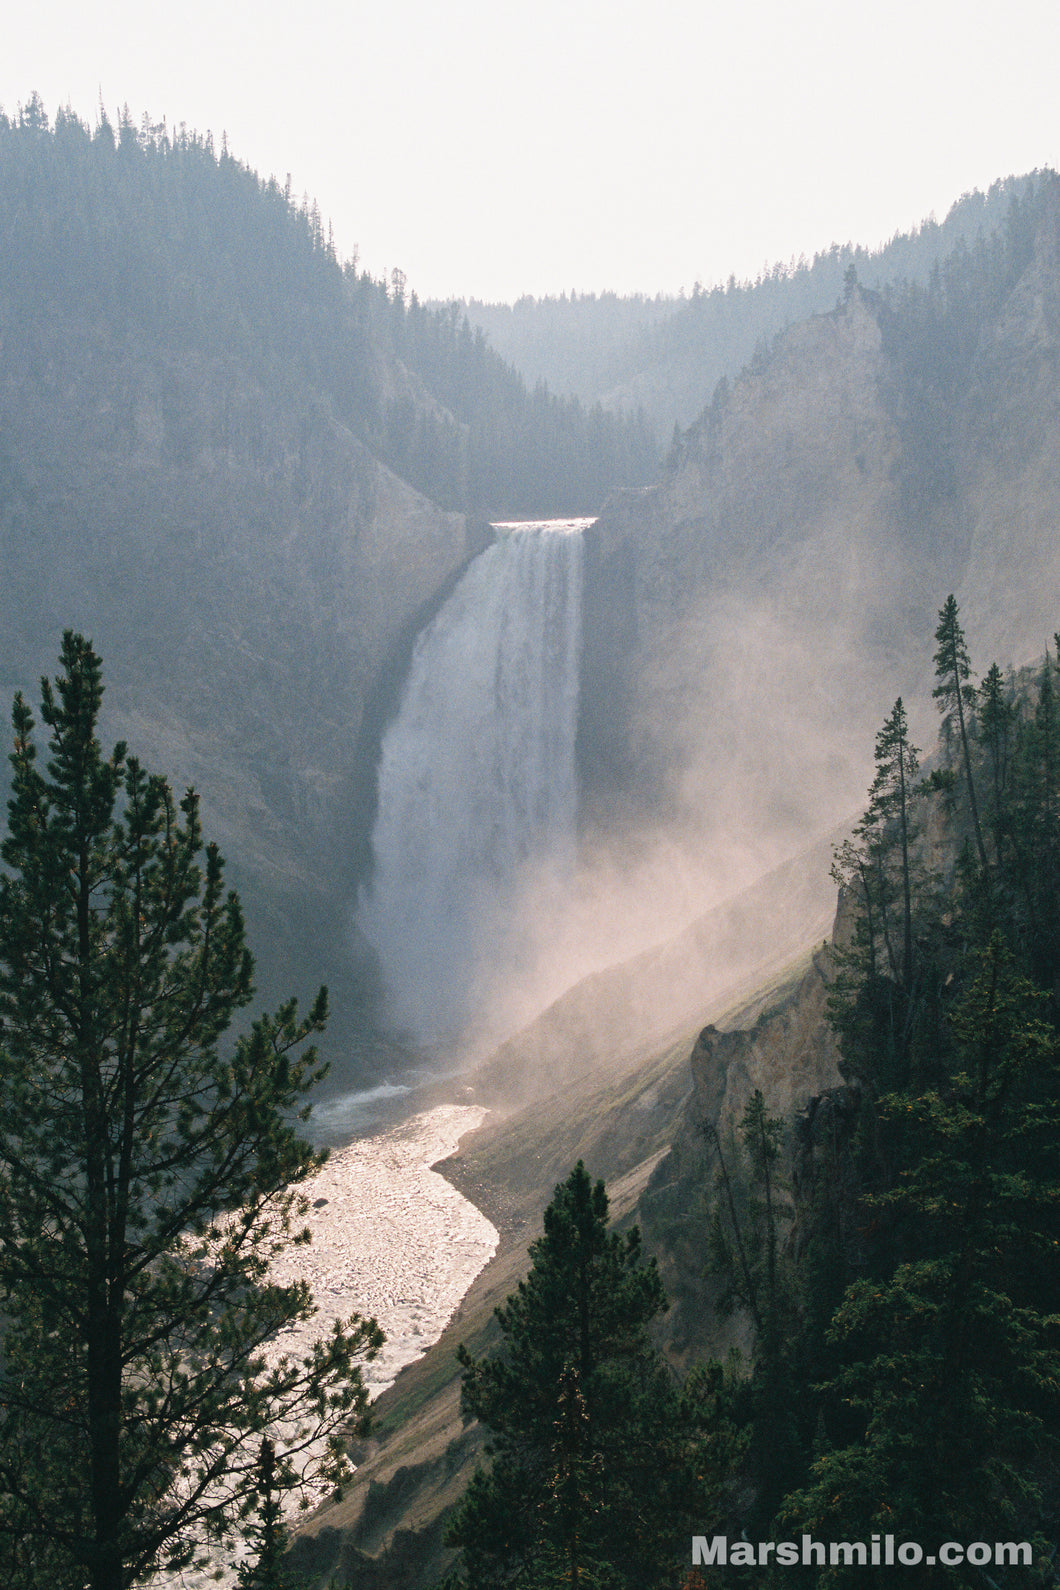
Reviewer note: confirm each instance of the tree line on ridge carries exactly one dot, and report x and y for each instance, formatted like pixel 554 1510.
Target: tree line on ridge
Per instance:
pixel 170 245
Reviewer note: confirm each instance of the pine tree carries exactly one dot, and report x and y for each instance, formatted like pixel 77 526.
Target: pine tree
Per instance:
pixel 889 820
pixel 598 1458
pixel 148 1168
pixel 745 1247
pixel 953 670
pixel 745 1240
pixel 996 734
pixel 950 1359
pixel 267 1536
pixel 1034 822
pixel 878 994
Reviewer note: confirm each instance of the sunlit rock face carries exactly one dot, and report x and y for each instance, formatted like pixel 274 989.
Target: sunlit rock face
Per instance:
pixel 790 1055
pixel 751 619
pixel 756 586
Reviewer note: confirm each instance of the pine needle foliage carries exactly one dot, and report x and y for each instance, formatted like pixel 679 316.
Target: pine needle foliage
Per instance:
pixel 937 1397
pixel 149 1167
pixel 600 1459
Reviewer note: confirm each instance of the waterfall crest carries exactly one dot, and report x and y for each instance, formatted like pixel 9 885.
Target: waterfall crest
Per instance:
pixel 477 783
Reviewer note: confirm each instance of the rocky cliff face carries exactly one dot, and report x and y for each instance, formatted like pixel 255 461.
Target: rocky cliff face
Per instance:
pixel 789 1052
pixel 765 559
pixel 752 618
pixel 1008 451
pixel 253 579
pixel 606 1023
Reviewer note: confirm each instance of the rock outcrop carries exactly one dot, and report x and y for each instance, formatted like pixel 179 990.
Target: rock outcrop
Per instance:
pixel 789 1054
pixel 608 1022
pixel 788 1051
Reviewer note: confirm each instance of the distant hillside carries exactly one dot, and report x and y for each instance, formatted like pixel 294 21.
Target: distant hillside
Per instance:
pixel 581 343
pixel 162 239
pixel 665 355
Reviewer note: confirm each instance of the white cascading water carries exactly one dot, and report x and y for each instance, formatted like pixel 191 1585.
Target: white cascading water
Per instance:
pixel 477 785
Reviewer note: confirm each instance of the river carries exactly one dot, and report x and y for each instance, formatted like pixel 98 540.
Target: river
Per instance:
pixel 391 1239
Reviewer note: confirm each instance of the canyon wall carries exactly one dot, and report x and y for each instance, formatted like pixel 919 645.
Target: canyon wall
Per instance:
pixel 253 579
pixel 751 618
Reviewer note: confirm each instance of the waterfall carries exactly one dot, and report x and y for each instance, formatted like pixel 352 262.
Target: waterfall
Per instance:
pixel 477 785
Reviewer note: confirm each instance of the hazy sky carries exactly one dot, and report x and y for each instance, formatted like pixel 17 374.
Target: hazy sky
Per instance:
pixel 491 148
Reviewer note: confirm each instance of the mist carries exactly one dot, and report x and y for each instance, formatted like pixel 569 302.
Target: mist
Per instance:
pixel 491 899
pixel 743 630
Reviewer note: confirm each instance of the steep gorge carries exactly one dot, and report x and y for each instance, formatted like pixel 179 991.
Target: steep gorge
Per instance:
pixel 749 621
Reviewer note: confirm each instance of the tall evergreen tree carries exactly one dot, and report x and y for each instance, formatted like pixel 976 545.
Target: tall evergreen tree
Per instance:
pixel 267 1536
pixel 996 734
pixel 953 670
pixel 1034 826
pixel 889 819
pixel 148 1168
pixel 949 1359
pixel 600 1461
pixel 746 1250
pixel 878 995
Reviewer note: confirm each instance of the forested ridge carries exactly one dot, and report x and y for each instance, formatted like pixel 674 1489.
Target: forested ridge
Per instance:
pixel 669 353
pixel 932 326
pixel 168 243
